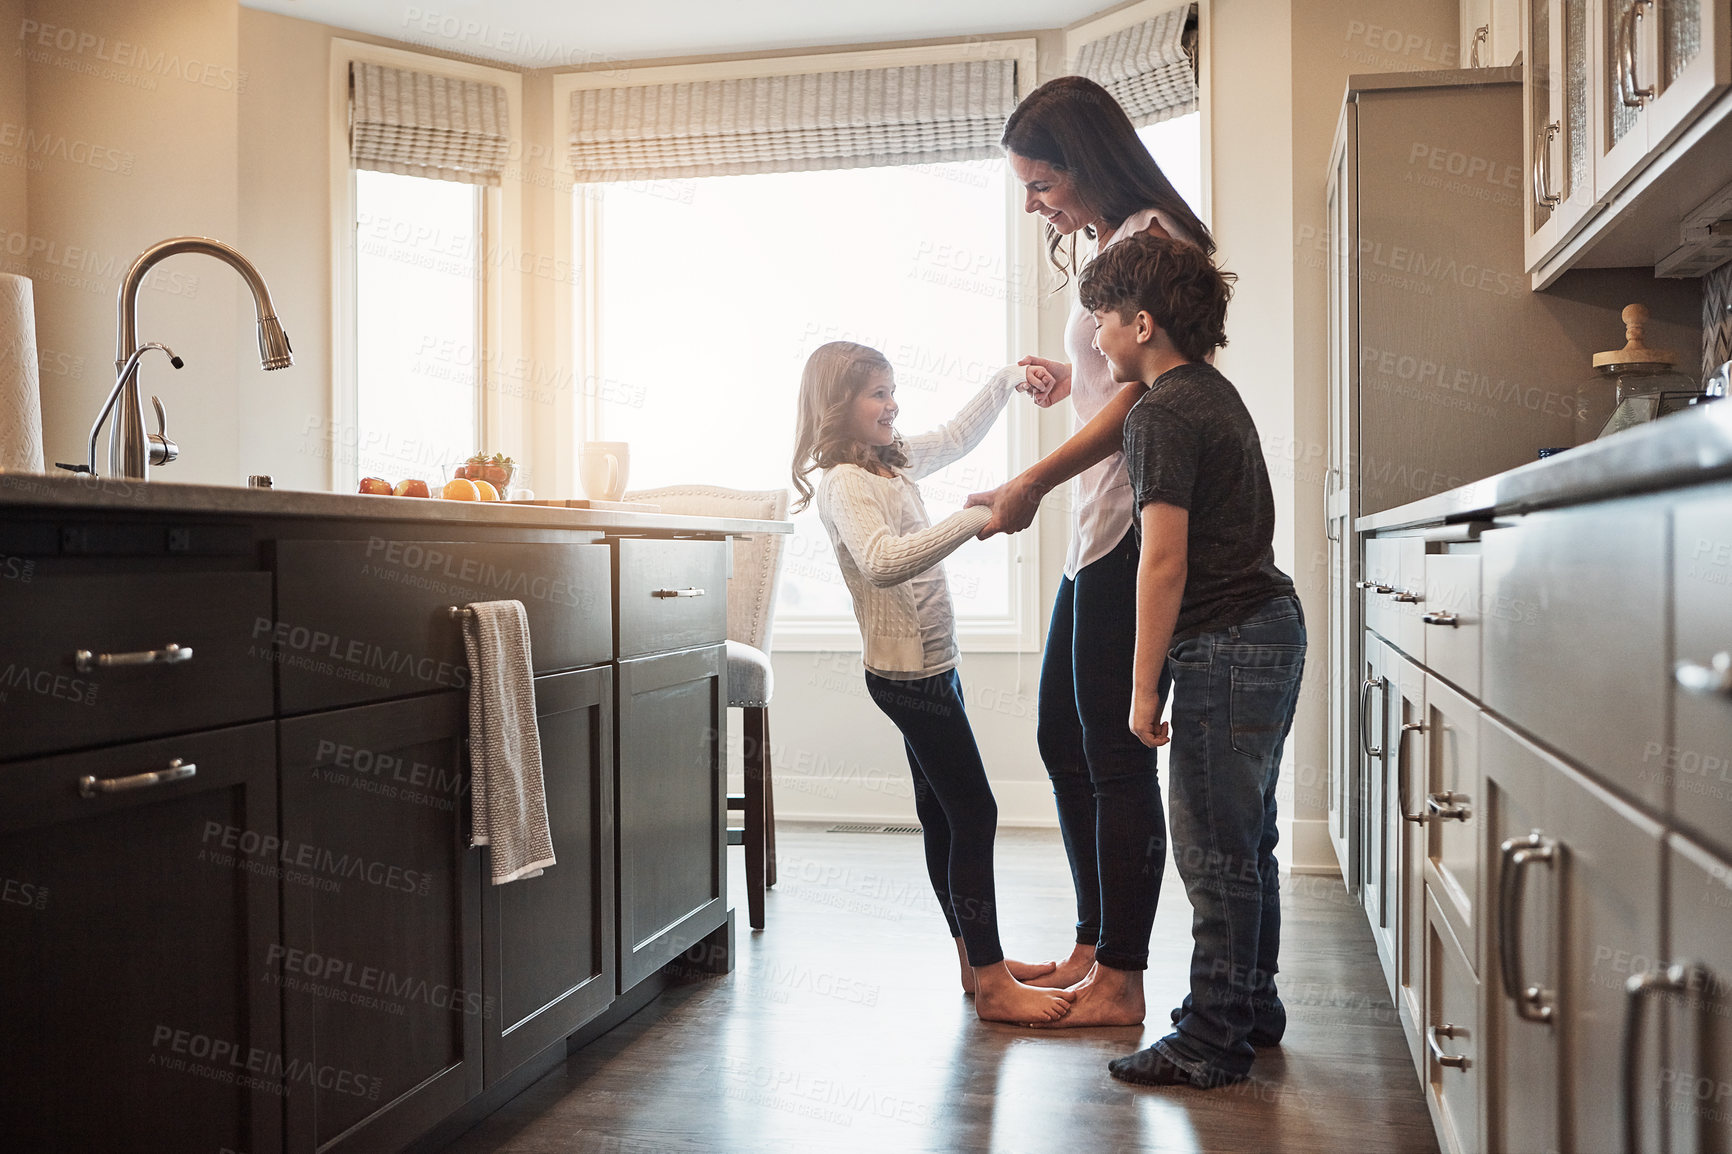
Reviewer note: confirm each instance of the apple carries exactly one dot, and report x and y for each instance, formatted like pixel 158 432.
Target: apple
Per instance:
pixel 412 487
pixel 376 485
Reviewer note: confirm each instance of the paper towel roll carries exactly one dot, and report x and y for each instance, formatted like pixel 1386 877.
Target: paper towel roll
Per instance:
pixel 20 393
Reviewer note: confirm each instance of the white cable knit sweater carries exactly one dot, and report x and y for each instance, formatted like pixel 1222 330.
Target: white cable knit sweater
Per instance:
pixel 889 551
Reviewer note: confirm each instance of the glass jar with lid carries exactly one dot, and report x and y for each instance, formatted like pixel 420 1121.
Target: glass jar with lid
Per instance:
pixel 1648 382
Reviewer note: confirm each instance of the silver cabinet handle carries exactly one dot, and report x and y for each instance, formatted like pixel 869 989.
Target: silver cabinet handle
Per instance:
pixel 1673 979
pixel 1407 727
pixel 171 654
pixel 1713 679
pixel 1530 1001
pixel 1449 619
pixel 1433 1033
pixel 95 786
pixel 1374 586
pixel 1480 36
pixel 676 593
pixel 1632 55
pixel 1408 597
pixel 1448 806
pixel 1543 194
pixel 1365 716
pixel 1329 531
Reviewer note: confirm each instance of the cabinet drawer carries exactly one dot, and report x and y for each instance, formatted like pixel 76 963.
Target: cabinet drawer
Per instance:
pixel 1452 1057
pixel 47 702
pixel 672 594
pixel 1453 806
pixel 1574 642
pixel 1451 618
pixel 1698 761
pixel 1383 576
pixel 370 620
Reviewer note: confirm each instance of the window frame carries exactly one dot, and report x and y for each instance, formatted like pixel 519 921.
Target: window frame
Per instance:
pixel 577 236
pixel 499 293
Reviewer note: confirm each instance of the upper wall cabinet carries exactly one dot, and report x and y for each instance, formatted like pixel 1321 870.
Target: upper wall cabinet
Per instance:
pixel 1660 62
pixel 1612 86
pixel 1560 139
pixel 1491 33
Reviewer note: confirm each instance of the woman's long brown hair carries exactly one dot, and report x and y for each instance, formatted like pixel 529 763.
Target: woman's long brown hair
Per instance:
pixel 835 374
pixel 1075 125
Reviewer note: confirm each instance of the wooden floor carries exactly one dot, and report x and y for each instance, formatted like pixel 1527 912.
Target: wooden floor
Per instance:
pixel 843 1029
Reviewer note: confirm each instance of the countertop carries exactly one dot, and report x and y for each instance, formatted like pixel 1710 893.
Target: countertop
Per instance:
pixel 76 491
pixel 1683 449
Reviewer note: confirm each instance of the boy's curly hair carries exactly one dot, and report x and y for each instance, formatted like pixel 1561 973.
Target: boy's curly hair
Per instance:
pixel 1174 282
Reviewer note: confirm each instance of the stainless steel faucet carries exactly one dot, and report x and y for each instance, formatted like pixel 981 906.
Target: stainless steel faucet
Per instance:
pixel 129 450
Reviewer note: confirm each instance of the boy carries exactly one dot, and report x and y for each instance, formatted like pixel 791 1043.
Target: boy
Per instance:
pixel 1219 626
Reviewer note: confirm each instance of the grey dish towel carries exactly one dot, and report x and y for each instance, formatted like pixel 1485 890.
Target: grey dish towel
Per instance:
pixel 506 793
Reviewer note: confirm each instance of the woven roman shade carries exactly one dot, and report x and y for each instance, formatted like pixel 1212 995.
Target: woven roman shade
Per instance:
pixel 419 124
pixel 1150 68
pixel 917 114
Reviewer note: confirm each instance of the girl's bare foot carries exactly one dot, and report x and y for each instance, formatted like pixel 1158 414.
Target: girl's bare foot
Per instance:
pixel 1021 971
pixel 1068 972
pixel 1001 998
pixel 1108 997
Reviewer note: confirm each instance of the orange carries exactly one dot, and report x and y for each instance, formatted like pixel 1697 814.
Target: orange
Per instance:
pixel 461 489
pixel 485 488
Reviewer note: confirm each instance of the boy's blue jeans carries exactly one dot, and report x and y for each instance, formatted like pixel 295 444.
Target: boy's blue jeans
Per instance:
pixel 1233 693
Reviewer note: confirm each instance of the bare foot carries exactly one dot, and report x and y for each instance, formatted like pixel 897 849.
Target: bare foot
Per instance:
pixel 1108 998
pixel 1024 971
pixel 1021 971
pixel 1001 998
pixel 1068 972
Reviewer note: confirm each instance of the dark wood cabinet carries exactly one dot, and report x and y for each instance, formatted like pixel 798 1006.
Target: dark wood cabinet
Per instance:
pixel 549 962
pixel 370 620
pixel 380 961
pixel 671 796
pixel 50 701
pixel 136 934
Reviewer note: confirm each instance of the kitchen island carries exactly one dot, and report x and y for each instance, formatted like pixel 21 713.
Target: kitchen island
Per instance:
pixel 1538 814
pixel 241 908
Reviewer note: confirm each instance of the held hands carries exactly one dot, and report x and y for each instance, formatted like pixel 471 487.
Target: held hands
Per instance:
pixel 1146 720
pixel 1013 506
pixel 1048 381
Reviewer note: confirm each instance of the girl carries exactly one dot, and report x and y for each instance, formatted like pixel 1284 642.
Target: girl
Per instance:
pixel 890 553
pixel 1089 176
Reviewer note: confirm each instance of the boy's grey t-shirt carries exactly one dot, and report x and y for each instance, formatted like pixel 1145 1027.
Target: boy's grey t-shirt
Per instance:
pixel 1191 442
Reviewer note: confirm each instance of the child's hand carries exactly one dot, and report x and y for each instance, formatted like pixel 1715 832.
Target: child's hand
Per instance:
pixel 1146 720
pixel 1048 381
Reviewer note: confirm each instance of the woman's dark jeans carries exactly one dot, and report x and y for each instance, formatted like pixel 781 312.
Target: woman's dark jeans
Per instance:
pixel 954 800
pixel 1103 779
pixel 1233 694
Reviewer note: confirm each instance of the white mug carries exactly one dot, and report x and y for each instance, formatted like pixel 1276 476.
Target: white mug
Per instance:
pixel 602 467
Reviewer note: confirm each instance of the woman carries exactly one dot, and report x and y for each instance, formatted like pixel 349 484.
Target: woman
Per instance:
pixel 1092 179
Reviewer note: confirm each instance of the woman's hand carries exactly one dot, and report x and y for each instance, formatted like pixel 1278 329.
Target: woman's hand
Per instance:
pixel 1048 381
pixel 1013 505
pixel 1146 720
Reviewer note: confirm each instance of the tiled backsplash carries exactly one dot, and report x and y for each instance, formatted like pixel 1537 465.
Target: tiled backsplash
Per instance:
pixel 1716 319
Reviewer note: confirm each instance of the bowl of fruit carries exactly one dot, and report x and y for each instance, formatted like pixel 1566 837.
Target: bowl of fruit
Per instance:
pixel 496 469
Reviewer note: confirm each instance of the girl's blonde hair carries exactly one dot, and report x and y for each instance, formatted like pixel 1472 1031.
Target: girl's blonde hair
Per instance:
pixel 835 374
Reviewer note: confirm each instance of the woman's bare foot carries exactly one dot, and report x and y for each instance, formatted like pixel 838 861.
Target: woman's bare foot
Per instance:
pixel 1108 997
pixel 1068 972
pixel 1001 998
pixel 1021 971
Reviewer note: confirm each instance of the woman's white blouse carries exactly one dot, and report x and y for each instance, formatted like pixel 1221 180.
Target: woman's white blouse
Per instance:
pixel 1101 500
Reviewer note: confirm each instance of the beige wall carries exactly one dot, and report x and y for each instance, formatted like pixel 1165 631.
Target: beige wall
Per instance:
pixel 136 101
pixel 1278 75
pixel 285 229
pixel 14 120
